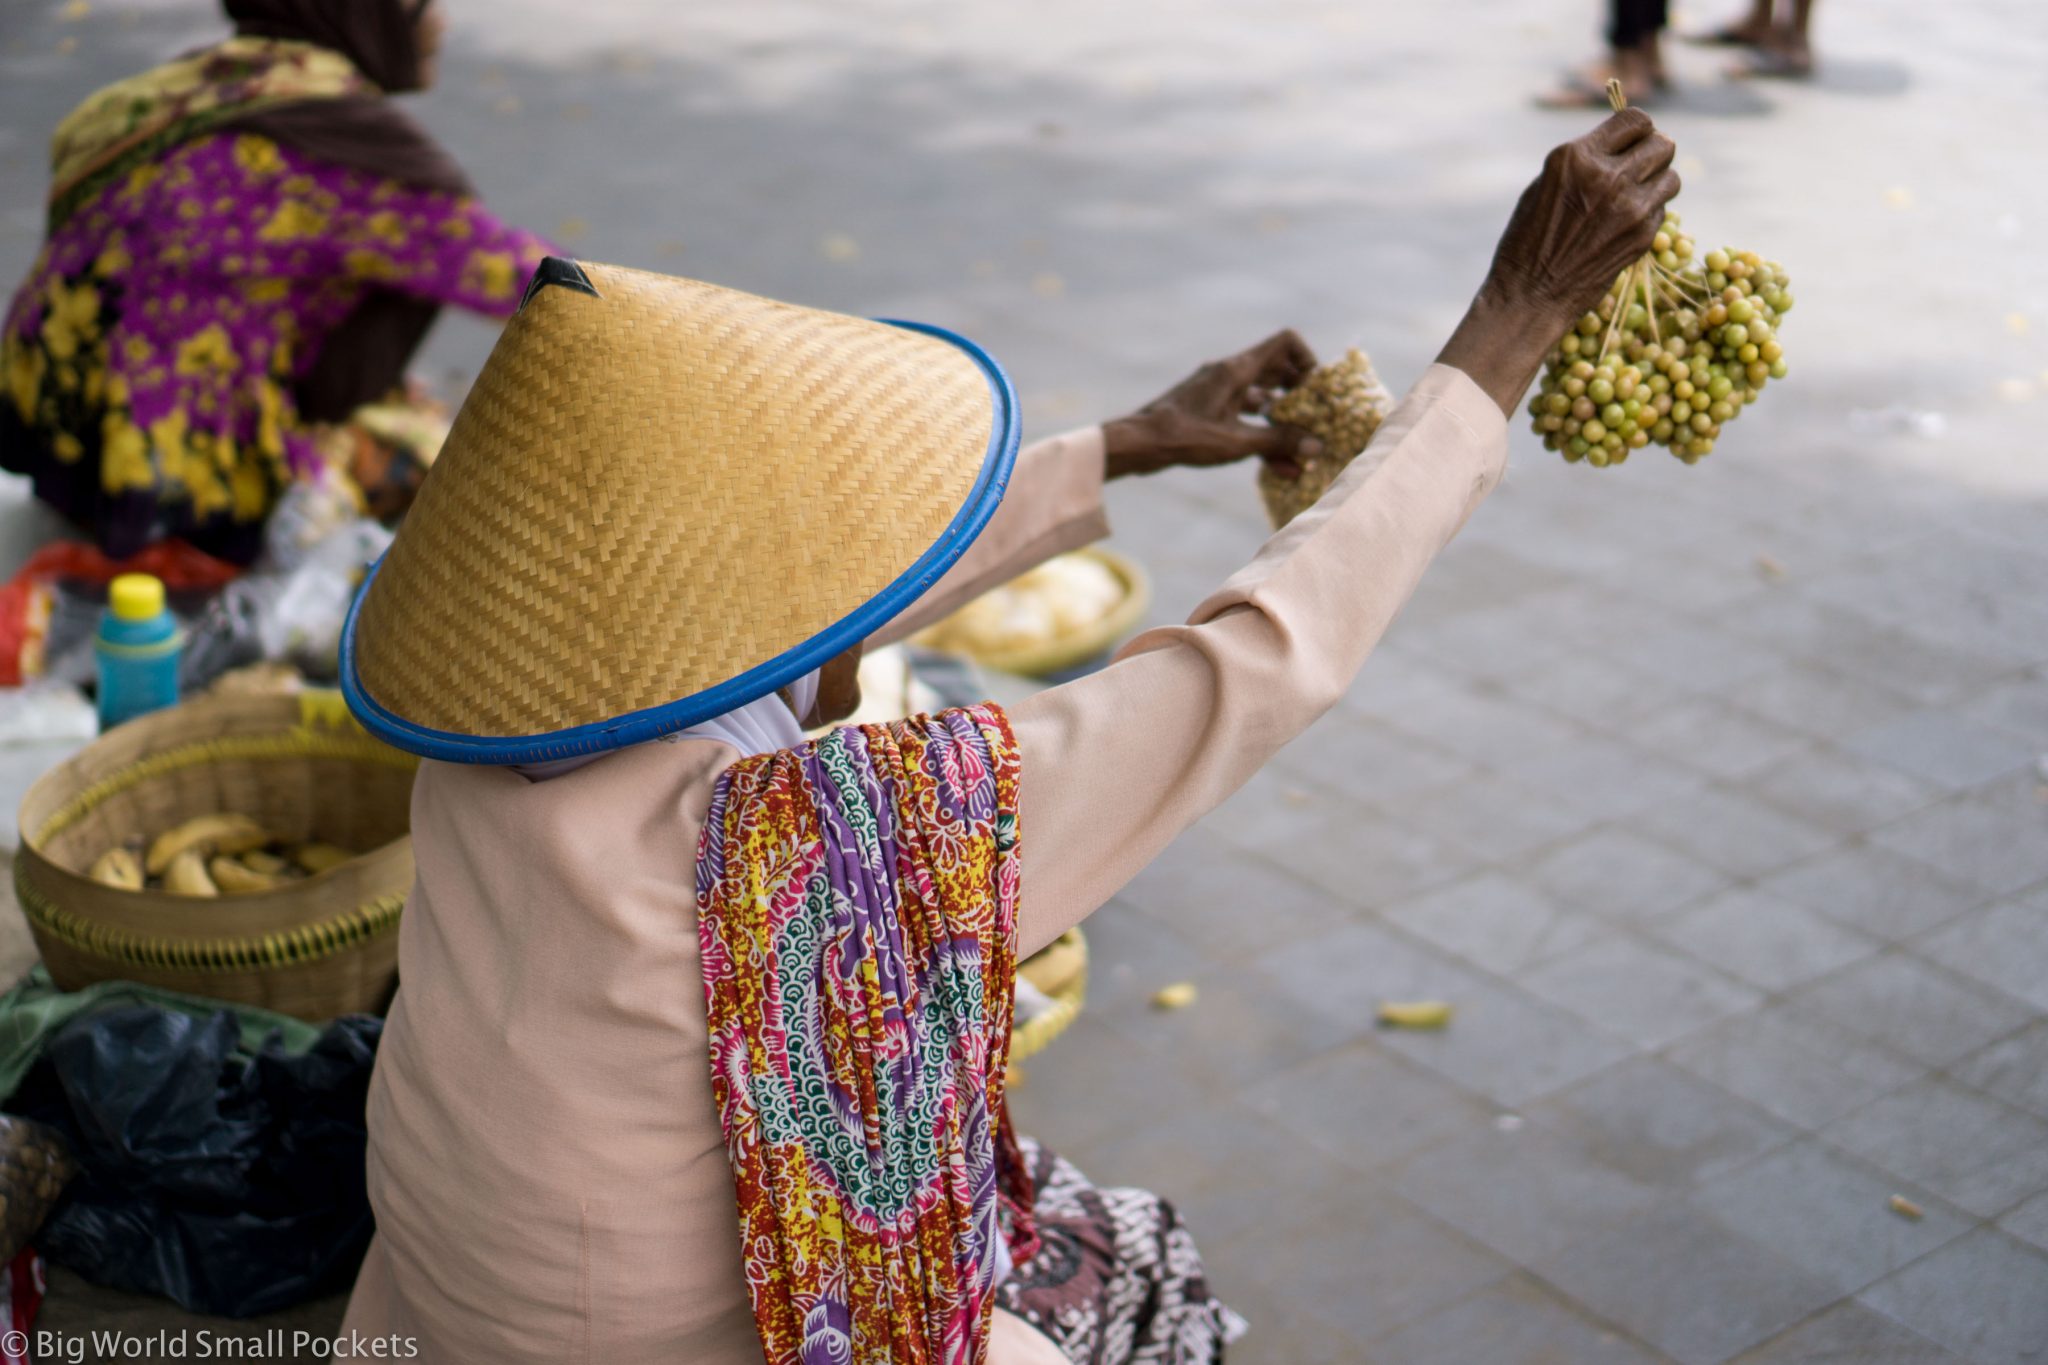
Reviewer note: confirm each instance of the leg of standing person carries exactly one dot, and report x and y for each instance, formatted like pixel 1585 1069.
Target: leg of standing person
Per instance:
pixel 1633 59
pixel 1752 30
pixel 1786 51
pixel 1802 23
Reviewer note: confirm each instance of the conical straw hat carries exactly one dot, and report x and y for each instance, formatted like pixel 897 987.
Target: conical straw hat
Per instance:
pixel 661 500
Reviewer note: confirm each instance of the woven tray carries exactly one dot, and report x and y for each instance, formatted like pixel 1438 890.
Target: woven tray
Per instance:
pixel 314 948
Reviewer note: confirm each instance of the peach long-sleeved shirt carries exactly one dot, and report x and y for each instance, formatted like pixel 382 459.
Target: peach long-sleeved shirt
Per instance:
pixel 545 1160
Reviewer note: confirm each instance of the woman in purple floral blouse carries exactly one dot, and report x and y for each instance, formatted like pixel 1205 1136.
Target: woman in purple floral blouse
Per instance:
pixel 245 246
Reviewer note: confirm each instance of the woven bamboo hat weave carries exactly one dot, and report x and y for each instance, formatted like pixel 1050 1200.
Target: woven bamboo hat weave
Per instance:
pixel 660 501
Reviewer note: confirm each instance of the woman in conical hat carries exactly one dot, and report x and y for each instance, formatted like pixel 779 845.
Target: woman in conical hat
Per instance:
pixel 699 1049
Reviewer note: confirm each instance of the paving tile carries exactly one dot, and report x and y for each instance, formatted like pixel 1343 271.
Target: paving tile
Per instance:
pixel 1637 992
pixel 1493 642
pixel 1914 1008
pixel 1875 890
pixel 1103 1082
pixel 1496 922
pixel 1849 1334
pixel 1526 1192
pixel 1845 642
pixel 1769 942
pixel 1695 656
pixel 1974 1152
pixel 1942 747
pixel 1271 808
pixel 1601 777
pixel 2005 945
pixel 1687 579
pixel 1901 594
pixel 1984 565
pixel 1227 903
pixel 1365 862
pixel 1234 1175
pixel 1685 1284
pixel 1131 955
pixel 1732 832
pixel 1501 1045
pixel 1588 690
pixel 1284 1328
pixel 1995 837
pixel 1816 701
pixel 2029 1222
pixel 1365 1106
pixel 1393 681
pixel 1840 791
pixel 1829 1214
pixel 1660 1126
pixel 1483 726
pixel 1708 734
pixel 2020 705
pixel 1838 527
pixel 1985 1297
pixel 1518 1320
pixel 1622 876
pixel 1807 1072
pixel 1237 1031
pixel 1369 761
pixel 1473 571
pixel 1375 1264
pixel 2012 1069
pixel 1491 816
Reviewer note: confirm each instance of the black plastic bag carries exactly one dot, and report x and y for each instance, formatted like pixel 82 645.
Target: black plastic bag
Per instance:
pixel 230 1183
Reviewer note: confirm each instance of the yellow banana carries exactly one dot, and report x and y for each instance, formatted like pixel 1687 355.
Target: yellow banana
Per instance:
pixel 237 879
pixel 206 834
pixel 186 876
pixel 269 864
pixel 118 867
pixel 317 858
pixel 1417 1014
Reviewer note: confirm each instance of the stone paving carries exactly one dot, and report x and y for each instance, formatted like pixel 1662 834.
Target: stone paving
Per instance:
pixel 1709 796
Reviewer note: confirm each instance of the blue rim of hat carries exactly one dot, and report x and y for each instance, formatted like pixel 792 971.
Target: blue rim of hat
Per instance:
pixel 636 727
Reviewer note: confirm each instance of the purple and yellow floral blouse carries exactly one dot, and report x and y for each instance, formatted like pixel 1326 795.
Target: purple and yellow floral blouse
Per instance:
pixel 150 356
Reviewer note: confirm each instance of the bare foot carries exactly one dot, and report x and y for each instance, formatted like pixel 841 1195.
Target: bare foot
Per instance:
pixel 1640 74
pixel 1754 30
pixel 1785 55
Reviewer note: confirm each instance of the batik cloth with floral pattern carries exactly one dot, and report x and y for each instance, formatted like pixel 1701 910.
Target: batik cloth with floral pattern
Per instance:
pixel 190 278
pixel 857 903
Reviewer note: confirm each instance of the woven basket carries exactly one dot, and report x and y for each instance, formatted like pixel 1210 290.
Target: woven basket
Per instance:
pixel 314 948
pixel 1072 648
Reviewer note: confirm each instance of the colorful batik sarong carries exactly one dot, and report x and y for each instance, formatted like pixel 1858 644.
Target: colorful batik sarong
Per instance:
pixel 857 900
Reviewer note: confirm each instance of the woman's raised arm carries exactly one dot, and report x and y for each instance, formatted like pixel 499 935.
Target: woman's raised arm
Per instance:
pixel 1118 763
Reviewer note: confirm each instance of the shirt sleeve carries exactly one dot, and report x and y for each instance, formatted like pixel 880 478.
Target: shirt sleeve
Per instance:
pixel 1053 505
pixel 1118 763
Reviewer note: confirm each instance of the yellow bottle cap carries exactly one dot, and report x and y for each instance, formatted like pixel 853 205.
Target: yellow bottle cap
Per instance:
pixel 136 596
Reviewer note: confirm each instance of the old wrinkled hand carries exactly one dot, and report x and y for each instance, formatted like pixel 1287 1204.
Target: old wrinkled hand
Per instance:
pixel 1201 420
pixel 1591 214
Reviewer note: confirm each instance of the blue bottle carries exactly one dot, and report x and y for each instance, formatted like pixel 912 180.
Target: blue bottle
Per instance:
pixel 138 647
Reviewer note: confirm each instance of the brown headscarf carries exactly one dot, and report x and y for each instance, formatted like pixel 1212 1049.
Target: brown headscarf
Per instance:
pixel 364 357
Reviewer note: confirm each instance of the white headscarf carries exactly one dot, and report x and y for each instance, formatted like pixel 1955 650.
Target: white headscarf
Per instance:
pixel 762 726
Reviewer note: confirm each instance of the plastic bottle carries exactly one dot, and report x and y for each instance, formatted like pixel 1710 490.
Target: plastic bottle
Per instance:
pixel 137 646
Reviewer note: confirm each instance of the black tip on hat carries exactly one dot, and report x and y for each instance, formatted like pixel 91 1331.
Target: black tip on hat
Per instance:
pixel 558 270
